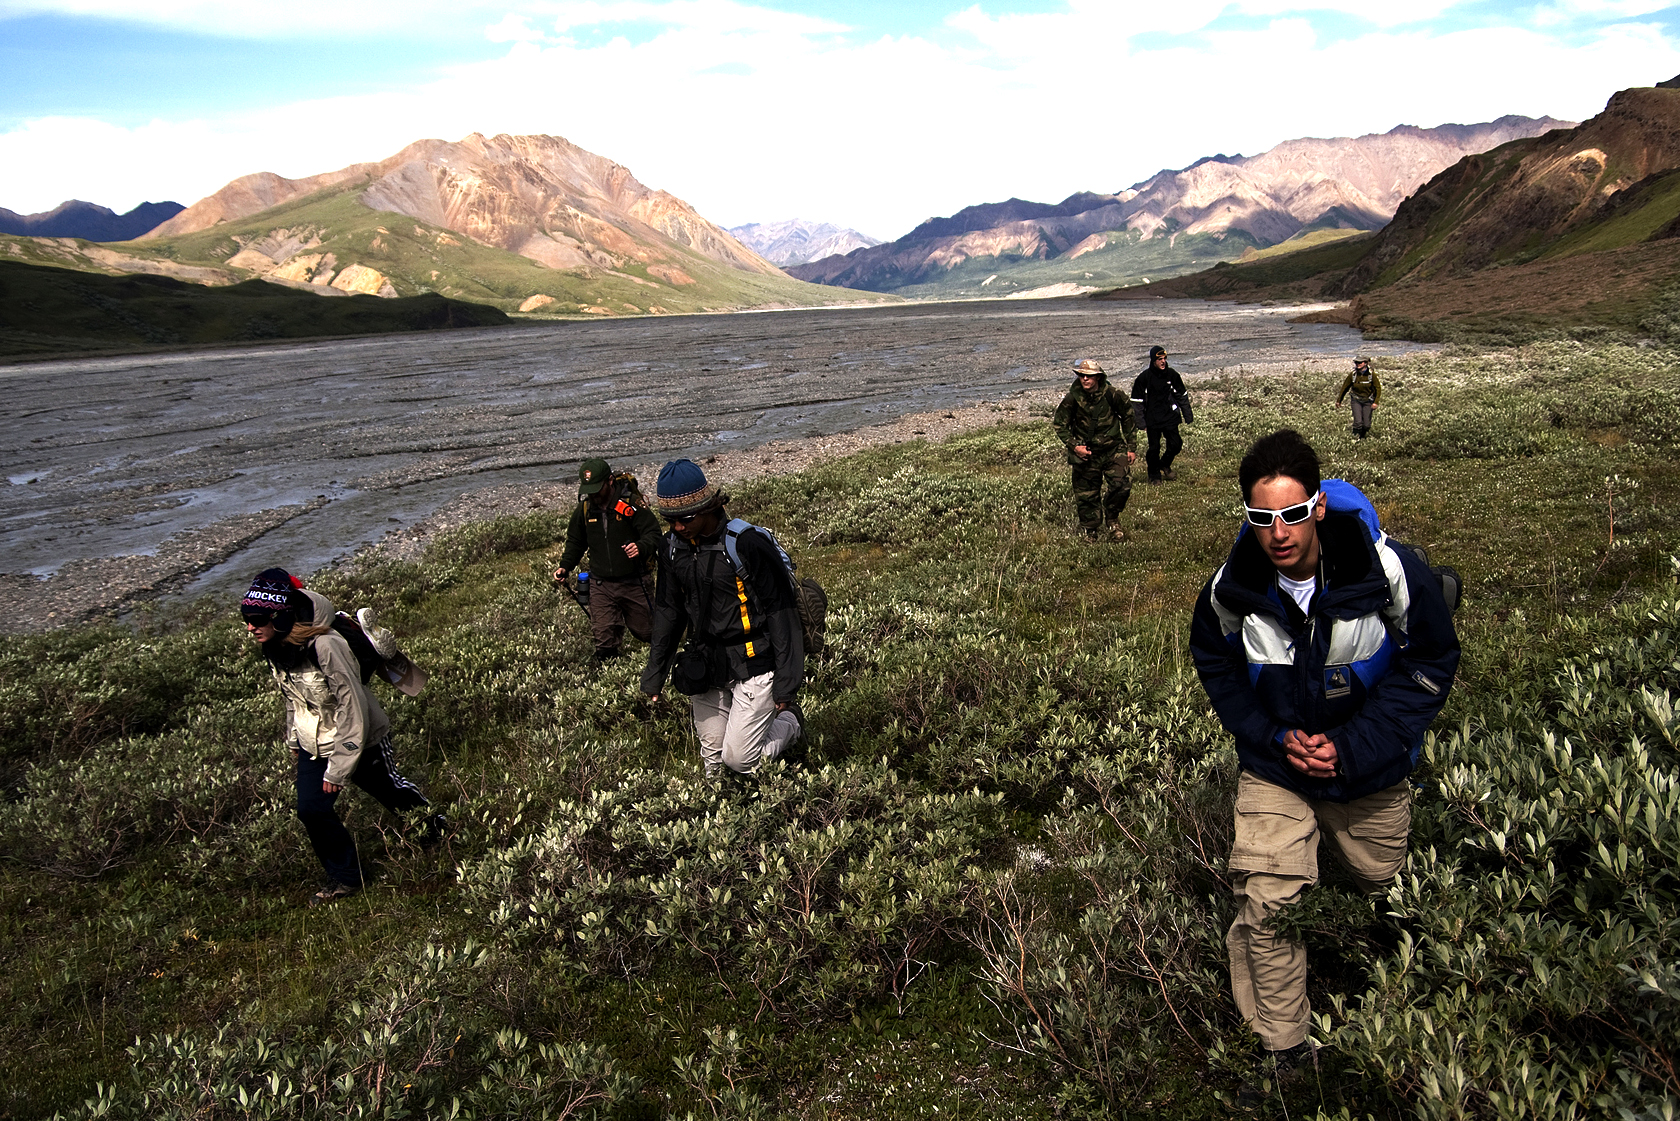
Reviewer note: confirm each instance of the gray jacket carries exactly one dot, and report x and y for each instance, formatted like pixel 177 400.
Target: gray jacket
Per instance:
pixel 330 714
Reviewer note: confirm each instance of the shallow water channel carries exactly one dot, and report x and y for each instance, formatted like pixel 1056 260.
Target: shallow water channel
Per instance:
pixel 109 457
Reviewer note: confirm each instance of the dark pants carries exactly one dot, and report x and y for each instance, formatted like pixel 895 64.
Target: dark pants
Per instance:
pixel 374 773
pixel 616 604
pixel 1362 416
pixel 1158 462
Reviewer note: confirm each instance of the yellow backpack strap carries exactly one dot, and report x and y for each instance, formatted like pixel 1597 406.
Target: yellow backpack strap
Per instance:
pixel 746 620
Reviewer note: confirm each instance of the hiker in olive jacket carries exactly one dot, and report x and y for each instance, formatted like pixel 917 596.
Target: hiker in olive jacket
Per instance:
pixel 745 658
pixel 1095 422
pixel 1367 393
pixel 1157 396
pixel 621 536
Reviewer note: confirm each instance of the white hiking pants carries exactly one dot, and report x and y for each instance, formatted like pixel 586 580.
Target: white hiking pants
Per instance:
pixel 739 726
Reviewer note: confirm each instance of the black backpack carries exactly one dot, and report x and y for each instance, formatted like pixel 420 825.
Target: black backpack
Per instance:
pixel 807 593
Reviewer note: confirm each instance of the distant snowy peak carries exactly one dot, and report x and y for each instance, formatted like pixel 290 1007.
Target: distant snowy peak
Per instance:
pixel 795 241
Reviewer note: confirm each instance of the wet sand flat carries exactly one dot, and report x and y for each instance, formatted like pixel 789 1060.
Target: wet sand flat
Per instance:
pixel 128 477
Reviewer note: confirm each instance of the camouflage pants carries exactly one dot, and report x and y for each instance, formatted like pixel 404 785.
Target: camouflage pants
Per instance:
pixel 1088 479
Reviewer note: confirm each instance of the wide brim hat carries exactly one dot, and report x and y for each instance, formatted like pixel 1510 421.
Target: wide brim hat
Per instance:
pixel 1087 366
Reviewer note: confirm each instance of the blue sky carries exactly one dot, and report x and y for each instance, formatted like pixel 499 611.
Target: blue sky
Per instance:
pixel 873 114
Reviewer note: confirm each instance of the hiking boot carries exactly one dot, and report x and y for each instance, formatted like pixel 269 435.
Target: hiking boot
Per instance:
pixel 432 830
pixel 1154 480
pixel 383 640
pixel 1116 534
pixel 1167 474
pixel 331 892
pixel 604 656
pixel 794 751
pixel 1092 533
pixel 1272 1071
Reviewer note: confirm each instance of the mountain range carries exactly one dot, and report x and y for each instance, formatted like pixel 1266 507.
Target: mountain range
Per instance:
pixel 1173 222
pixel 532 224
pixel 1576 227
pixel 88 221
pixel 796 241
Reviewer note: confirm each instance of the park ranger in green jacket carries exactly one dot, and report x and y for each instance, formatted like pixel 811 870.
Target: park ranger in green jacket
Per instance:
pixel 1095 421
pixel 621 536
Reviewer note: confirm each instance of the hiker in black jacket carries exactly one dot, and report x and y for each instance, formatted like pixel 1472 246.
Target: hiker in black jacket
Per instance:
pixel 1157 395
pixel 745 658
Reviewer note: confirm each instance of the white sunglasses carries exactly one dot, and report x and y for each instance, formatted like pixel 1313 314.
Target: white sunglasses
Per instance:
pixel 1291 515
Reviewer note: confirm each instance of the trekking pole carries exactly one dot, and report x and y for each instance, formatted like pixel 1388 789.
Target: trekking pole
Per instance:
pixel 582 600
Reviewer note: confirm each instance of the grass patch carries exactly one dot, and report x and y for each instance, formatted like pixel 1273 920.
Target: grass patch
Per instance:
pixel 999 891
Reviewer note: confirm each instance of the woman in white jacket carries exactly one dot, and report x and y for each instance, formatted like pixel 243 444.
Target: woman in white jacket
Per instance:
pixel 334 726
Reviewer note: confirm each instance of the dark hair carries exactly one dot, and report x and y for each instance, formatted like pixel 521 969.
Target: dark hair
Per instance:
pixel 1285 452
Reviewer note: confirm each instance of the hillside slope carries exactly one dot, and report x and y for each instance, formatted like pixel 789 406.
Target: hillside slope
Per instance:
pixel 1576 229
pixel 530 224
pixel 51 311
pixel 1603 184
pixel 1174 222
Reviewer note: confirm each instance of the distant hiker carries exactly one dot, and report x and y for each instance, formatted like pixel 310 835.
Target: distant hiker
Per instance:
pixel 745 658
pixel 1326 653
pixel 1367 392
pixel 621 535
pixel 1160 402
pixel 1095 421
pixel 334 726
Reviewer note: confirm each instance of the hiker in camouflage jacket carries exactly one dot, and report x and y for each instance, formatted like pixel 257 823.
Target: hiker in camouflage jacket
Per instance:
pixel 1095 421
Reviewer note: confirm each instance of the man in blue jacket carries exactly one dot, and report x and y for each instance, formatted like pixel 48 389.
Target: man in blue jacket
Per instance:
pixel 1326 654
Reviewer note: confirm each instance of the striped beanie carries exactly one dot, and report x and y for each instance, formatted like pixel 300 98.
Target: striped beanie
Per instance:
pixel 683 490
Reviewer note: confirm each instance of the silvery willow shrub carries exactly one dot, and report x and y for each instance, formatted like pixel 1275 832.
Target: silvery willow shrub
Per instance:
pixel 808 890
pixel 1099 947
pixel 83 817
pixel 63 692
pixel 385 1055
pixel 1540 908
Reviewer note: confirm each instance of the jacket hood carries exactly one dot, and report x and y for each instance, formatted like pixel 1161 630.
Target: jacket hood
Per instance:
pixel 323 606
pixel 1347 555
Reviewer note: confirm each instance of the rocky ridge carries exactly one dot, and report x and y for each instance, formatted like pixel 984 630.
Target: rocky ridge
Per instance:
pixel 88 221
pixel 1610 182
pixel 540 197
pixel 1299 185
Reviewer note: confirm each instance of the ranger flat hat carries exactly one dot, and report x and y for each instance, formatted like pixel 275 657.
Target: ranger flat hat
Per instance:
pixel 593 475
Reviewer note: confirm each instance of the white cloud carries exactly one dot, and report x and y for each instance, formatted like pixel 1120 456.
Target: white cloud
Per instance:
pixel 267 19
pixel 1382 13
pixel 512 29
pixel 756 115
pixel 1572 11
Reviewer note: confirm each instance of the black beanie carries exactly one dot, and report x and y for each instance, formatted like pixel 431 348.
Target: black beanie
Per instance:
pixel 277 596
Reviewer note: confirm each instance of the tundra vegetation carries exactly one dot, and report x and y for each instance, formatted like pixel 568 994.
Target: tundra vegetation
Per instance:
pixel 998 890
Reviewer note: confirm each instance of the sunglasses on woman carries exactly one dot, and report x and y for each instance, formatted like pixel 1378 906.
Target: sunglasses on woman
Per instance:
pixel 1291 515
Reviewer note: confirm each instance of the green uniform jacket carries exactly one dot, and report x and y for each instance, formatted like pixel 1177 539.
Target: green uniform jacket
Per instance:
pixel 1367 390
pixel 1101 420
pixel 605 532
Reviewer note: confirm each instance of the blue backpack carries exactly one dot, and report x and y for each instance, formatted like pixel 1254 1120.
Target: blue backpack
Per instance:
pixel 1345 498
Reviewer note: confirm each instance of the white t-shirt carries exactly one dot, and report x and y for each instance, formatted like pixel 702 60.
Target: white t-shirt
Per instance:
pixel 1301 591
